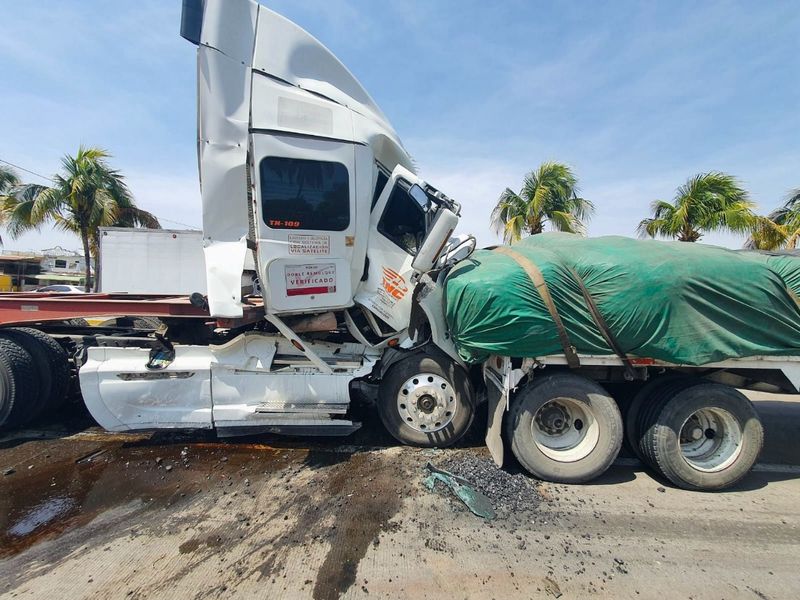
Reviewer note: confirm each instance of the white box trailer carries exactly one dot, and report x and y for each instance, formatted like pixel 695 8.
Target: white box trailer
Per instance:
pixel 151 261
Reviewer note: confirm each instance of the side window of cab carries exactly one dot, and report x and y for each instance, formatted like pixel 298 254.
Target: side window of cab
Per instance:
pixel 403 220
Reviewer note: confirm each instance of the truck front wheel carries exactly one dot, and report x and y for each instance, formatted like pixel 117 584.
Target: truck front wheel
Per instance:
pixel 426 400
pixel 564 428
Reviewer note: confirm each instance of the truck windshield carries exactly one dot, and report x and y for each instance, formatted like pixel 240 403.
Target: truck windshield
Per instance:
pixel 304 194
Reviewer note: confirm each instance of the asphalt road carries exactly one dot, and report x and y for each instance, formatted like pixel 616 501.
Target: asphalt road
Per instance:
pixel 86 514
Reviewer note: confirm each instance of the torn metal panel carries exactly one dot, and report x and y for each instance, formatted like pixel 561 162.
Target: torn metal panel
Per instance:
pixel 225 281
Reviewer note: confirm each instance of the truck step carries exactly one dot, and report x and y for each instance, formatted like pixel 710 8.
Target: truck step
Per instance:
pixel 289 426
pixel 305 408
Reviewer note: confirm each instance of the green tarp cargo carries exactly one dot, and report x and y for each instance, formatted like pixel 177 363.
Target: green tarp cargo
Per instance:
pixel 678 302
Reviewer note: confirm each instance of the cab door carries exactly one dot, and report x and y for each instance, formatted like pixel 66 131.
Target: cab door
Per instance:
pixel 305 217
pixel 397 229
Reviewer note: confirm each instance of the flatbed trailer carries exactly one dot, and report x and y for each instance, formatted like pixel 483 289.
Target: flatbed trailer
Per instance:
pixel 32 307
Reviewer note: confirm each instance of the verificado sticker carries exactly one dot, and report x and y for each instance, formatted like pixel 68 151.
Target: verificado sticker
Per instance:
pixel 306 280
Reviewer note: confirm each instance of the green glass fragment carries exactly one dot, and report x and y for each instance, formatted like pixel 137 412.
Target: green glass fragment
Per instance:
pixel 474 500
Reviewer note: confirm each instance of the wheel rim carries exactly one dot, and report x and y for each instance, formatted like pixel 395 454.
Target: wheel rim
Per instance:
pixel 711 439
pixel 565 430
pixel 427 402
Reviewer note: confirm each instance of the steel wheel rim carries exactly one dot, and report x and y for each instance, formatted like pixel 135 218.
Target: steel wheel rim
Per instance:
pixel 565 430
pixel 427 402
pixel 711 439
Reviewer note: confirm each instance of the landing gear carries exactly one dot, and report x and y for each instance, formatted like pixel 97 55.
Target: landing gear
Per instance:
pixel 426 400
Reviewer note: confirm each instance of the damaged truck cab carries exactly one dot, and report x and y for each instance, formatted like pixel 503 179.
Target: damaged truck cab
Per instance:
pixel 309 198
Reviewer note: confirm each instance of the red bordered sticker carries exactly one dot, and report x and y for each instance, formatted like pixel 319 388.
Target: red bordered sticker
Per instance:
pixel 306 280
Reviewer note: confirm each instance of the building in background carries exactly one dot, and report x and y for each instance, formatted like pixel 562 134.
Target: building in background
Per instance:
pixel 21 270
pixel 61 266
pixel 28 271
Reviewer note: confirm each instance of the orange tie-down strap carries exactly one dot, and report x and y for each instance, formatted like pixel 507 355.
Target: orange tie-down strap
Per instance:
pixel 537 278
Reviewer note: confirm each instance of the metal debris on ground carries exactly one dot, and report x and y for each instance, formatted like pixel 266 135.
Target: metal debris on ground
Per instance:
pixel 463 489
pixel 510 493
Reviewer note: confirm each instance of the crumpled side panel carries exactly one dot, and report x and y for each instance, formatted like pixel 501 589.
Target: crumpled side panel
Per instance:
pixel 224 97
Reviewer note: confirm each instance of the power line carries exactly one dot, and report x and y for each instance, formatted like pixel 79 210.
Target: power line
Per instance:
pixel 178 223
pixel 26 170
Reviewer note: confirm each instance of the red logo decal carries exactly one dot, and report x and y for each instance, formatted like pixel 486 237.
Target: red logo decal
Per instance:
pixel 394 283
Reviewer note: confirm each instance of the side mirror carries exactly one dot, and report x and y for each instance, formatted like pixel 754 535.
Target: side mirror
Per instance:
pixel 442 228
pixel 420 197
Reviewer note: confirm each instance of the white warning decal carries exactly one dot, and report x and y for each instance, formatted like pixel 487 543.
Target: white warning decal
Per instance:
pixel 314 245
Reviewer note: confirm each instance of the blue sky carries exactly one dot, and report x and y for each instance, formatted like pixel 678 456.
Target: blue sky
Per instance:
pixel 636 96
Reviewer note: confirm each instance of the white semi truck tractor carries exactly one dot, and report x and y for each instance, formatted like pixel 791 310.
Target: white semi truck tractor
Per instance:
pixel 325 258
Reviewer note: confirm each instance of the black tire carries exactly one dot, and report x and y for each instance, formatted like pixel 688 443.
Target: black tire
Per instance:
pixel 560 390
pixel 624 394
pixel 19 384
pixel 645 397
pixel 41 367
pixel 733 445
pixel 133 322
pixel 51 361
pixel 456 402
pixel 653 406
pixel 78 322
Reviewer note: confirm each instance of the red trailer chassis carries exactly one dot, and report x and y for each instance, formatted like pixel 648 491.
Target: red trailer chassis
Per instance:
pixel 35 307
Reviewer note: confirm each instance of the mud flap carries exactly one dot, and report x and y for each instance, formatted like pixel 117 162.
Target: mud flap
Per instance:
pixel 497 406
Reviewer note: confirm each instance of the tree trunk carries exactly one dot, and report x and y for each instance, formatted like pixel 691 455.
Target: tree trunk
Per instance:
pixel 87 286
pixel 94 248
pixel 535 226
pixel 96 282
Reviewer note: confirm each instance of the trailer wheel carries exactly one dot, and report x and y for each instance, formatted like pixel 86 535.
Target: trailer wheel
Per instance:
pixel 564 428
pixel 704 437
pixel 426 400
pixel 19 386
pixel 647 396
pixel 50 360
pixel 77 322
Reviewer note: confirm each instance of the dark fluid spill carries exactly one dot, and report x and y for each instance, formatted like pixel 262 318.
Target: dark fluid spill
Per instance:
pixel 60 485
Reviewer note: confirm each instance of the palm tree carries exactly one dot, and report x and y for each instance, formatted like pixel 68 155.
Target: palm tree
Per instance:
pixel 87 195
pixel 549 195
pixel 8 181
pixel 706 202
pixel 780 228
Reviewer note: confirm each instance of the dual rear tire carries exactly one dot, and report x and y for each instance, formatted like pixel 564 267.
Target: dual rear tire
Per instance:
pixel 697 434
pixel 34 375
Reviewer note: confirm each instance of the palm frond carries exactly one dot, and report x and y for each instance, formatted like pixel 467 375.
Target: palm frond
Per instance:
pixel 549 194
pixel 766 234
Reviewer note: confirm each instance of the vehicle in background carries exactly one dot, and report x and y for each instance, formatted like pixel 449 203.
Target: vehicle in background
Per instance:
pixel 61 289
